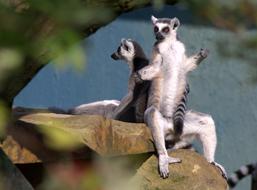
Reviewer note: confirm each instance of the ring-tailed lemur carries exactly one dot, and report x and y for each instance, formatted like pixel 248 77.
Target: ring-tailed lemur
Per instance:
pixel 242 172
pixel 131 108
pixel 167 71
pixel 135 102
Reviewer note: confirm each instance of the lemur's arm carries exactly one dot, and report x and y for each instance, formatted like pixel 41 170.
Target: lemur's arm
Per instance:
pixel 193 61
pixel 151 71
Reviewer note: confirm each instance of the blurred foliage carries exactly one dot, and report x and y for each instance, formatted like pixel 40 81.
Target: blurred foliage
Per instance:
pixel 71 176
pixel 59 139
pixel 75 55
pixel 102 173
pixel 9 60
pixel 239 17
pixel 158 4
pixel 232 15
pixel 1 182
pixel 47 29
pixel 3 118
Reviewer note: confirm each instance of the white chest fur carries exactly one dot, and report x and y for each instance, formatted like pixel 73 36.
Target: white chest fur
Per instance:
pixel 172 65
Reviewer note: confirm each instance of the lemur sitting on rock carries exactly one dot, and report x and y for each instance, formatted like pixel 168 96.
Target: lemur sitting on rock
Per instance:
pixel 167 72
pixel 131 108
pixel 133 105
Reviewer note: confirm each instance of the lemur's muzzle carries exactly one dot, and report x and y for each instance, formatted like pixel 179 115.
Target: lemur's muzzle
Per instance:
pixel 115 56
pixel 159 36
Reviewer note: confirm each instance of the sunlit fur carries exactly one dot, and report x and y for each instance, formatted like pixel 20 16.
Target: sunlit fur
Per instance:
pixel 168 69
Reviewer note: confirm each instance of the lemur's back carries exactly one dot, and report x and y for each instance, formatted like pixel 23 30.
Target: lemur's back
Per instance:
pixel 134 112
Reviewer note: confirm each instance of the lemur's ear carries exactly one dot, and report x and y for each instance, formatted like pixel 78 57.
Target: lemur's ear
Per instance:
pixel 122 41
pixel 128 44
pixel 154 19
pixel 125 44
pixel 175 23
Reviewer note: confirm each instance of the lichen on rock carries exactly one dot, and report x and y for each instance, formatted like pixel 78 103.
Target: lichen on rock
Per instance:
pixel 194 173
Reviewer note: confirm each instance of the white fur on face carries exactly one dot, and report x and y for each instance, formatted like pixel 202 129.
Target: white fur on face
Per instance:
pixel 161 25
pixel 172 33
pixel 127 50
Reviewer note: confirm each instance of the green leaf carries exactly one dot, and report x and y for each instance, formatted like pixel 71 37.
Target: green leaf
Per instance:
pixel 3 118
pixel 59 139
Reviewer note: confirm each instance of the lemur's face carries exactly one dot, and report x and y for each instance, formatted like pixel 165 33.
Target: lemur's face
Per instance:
pixel 125 51
pixel 165 28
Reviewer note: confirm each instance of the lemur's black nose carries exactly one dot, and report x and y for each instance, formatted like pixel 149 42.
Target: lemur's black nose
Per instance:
pixel 115 56
pixel 159 36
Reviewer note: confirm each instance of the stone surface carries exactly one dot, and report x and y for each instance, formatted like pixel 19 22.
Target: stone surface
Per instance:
pixel 194 173
pixel 106 137
pixel 10 177
pixel 27 144
pixel 17 153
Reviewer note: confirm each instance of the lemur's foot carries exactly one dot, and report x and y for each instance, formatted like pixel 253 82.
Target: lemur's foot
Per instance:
pixel 221 168
pixel 204 53
pixel 164 162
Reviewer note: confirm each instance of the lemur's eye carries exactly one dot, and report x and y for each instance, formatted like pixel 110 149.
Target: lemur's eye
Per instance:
pixel 156 29
pixel 166 29
pixel 175 25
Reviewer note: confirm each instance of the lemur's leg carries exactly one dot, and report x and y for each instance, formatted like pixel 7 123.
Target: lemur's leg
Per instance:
pixel 193 61
pixel 140 108
pixel 103 108
pixel 202 127
pixel 157 122
pixel 123 104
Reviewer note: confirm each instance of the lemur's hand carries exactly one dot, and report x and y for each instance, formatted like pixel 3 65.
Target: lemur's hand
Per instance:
pixel 137 78
pixel 204 53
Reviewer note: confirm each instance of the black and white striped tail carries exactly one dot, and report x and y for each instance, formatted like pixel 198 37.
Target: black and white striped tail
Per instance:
pixel 179 114
pixel 241 173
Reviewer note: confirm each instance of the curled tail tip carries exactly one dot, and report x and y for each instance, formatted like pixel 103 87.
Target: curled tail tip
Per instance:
pixel 241 173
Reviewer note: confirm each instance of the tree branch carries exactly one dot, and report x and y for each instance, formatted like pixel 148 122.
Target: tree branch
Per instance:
pixel 16 80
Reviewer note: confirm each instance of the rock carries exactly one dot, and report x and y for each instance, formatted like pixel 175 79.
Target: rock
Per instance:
pixel 18 153
pixel 194 173
pixel 11 178
pixel 105 137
